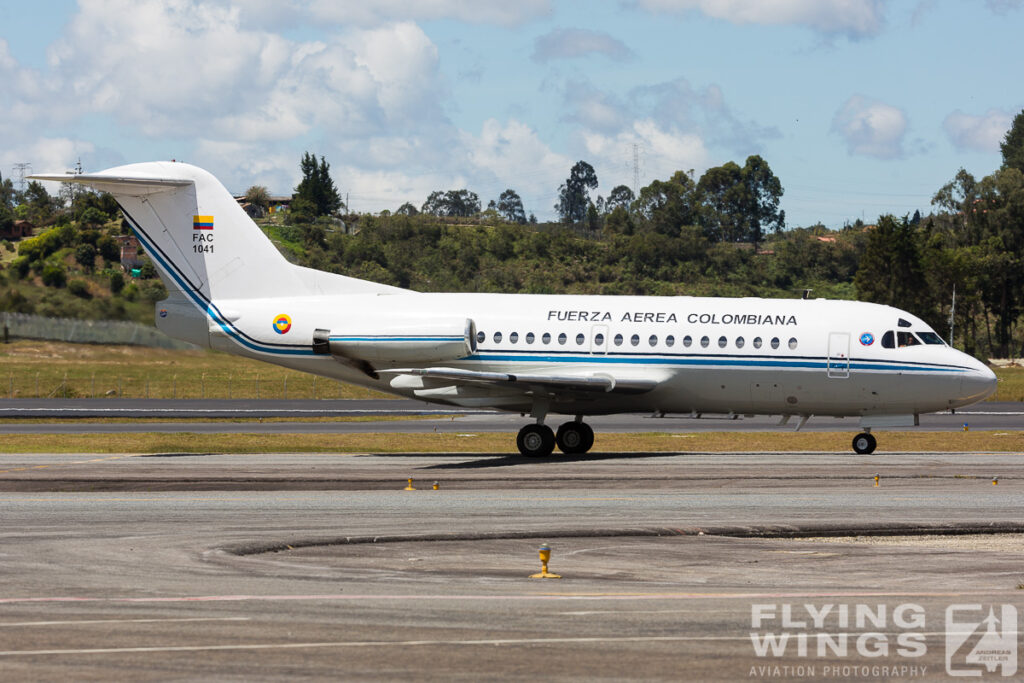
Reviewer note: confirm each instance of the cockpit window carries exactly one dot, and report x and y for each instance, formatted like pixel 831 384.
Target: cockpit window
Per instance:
pixel 889 340
pixel 930 338
pixel 906 339
pixel 902 323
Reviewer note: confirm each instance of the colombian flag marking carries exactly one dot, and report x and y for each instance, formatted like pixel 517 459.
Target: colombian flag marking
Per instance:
pixel 282 323
pixel 202 222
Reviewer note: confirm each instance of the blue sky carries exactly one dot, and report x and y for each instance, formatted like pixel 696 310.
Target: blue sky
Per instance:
pixel 861 107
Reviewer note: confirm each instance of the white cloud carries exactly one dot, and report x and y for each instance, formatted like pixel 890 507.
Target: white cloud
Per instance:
pixel 284 13
pixel 177 68
pixel 665 151
pixel 569 43
pixel 871 128
pixel 977 133
pixel 852 18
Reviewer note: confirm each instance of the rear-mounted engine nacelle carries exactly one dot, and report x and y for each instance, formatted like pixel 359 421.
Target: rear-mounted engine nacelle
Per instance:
pixel 427 341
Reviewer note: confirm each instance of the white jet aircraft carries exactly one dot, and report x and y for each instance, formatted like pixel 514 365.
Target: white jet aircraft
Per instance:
pixel 230 289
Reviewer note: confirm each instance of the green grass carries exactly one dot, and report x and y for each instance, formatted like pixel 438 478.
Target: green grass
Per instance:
pixel 705 442
pixel 30 369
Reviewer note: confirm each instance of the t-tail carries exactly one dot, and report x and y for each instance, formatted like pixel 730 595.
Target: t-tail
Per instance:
pixel 205 247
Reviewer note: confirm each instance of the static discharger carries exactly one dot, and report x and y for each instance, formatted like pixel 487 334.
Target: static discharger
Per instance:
pixel 545 555
pixel 410 487
pixel 876 480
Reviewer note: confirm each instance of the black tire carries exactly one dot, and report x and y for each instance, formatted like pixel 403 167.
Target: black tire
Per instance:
pixel 864 443
pixel 535 441
pixel 574 437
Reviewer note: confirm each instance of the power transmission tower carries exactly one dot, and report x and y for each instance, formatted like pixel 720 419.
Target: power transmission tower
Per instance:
pixel 22 170
pixel 636 170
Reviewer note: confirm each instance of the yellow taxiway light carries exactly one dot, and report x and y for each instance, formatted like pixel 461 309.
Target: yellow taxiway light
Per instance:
pixel 545 555
pixel 410 487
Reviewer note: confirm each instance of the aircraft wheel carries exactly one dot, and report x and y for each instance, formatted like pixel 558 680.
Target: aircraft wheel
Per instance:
pixel 574 437
pixel 536 441
pixel 864 443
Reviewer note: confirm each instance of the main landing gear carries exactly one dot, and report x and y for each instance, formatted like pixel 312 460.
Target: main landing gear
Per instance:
pixel 864 443
pixel 538 441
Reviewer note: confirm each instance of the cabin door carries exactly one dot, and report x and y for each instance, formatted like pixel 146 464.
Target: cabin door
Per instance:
pixel 838 354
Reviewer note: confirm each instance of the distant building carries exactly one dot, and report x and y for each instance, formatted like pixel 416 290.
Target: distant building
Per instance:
pixel 129 252
pixel 277 202
pixel 17 230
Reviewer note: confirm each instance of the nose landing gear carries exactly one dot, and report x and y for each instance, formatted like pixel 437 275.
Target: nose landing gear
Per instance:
pixel 864 443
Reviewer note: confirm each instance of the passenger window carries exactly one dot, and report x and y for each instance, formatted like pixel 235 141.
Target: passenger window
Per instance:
pixel 562 338
pixel 722 341
pixel 618 340
pixel 513 338
pixel 757 342
pixel 670 340
pixel 580 339
pixel 775 342
pixel 497 337
pixel 906 339
pixel 635 339
pixel 792 343
pixel 529 337
pixel 653 341
pixel 546 338
pixel 889 340
pixel 481 337
pixel 740 342
pixel 687 340
pixel 599 339
pixel 704 341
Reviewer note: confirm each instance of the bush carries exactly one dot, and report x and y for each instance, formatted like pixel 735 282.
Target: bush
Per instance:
pixel 116 282
pixel 80 289
pixel 54 275
pixel 85 255
pixel 147 271
pixel 20 267
pixel 109 249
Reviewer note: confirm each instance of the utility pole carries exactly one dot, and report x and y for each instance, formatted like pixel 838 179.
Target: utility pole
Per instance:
pixel 22 170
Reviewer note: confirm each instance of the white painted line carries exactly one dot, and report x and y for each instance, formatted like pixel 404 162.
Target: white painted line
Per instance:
pixel 435 643
pixel 76 622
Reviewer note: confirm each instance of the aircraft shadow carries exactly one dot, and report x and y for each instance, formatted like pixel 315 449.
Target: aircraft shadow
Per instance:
pixel 513 460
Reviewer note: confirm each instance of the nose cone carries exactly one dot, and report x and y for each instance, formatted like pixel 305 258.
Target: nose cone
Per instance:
pixel 976 384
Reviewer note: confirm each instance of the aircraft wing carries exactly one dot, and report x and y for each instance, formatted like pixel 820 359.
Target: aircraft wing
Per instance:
pixel 594 383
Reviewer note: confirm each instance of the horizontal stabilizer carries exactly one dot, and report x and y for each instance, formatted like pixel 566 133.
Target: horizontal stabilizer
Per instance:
pixel 133 186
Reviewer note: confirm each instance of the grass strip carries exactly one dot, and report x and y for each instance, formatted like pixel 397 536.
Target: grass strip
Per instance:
pixel 498 443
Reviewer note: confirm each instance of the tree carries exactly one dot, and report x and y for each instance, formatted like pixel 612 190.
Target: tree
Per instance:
pixel 619 196
pixel 738 204
pixel 85 255
pixel 1012 145
pixel 8 195
pixel 452 203
pixel 574 195
pixel 407 209
pixel 258 195
pixel 667 205
pixel 316 193
pixel 510 206
pixel 39 203
pixel 890 270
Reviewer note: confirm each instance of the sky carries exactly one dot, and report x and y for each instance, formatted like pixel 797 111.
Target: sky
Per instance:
pixel 860 107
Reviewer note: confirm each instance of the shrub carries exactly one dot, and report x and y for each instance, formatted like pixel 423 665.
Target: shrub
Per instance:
pixel 116 282
pixel 80 289
pixel 54 275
